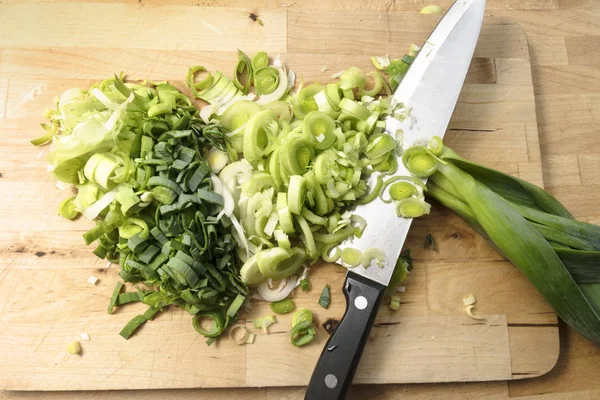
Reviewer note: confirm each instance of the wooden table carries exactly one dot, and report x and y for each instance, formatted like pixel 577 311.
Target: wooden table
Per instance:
pixel 564 40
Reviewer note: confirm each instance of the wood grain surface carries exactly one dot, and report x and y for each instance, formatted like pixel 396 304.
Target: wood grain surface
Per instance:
pixel 564 67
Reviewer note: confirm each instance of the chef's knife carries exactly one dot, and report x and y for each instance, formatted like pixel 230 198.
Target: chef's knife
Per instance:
pixel 431 88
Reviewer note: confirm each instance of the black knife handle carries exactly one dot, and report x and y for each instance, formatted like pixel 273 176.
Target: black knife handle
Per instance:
pixel 337 364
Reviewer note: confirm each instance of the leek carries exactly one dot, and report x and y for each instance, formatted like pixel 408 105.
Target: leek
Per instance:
pixel 521 221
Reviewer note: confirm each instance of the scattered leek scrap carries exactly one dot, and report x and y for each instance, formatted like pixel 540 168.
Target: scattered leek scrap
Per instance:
pixel 235 336
pixel 395 303
pixel 429 241
pixel 531 229
pixel 302 334
pixel 436 10
pixel 264 323
pixel 283 306
pixel 304 285
pixel 74 348
pixel 325 298
pixel 403 266
pixel 137 322
pixel 302 314
pixel 129 297
pixel 469 299
pixel 137 153
pixel 303 331
pixel 469 311
pixel 115 296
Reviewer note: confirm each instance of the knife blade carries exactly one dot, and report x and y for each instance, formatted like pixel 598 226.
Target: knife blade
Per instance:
pixel 430 88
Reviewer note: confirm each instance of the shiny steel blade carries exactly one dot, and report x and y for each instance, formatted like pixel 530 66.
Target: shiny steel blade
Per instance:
pixel 431 88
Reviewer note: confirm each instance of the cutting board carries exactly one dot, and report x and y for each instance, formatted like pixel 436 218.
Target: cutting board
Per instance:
pixel 45 301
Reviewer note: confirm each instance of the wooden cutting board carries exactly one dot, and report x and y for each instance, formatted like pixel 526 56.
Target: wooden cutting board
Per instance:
pixel 45 301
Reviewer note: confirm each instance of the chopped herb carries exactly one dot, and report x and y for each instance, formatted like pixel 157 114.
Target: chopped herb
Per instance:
pixel 406 258
pixel 429 241
pixel 325 298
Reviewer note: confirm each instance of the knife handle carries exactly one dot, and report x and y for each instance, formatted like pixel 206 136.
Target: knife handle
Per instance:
pixel 337 364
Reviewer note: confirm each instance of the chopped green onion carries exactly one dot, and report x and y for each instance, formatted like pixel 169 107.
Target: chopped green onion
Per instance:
pixel 115 297
pixel 419 161
pixel 297 152
pixel 402 190
pixel 260 60
pixel 305 102
pixel 278 263
pixel 436 145
pixel 321 126
pixel 350 257
pixel 259 132
pixel 412 208
pixel 129 297
pixel 235 305
pixel 302 333
pixel 266 80
pixel 244 65
pixel 137 322
pixel 302 315
pixel 352 78
pixel 214 320
pixel 370 254
pixel 377 80
pixel 327 254
pixel 304 285
pixel 283 306
pixel 395 303
pixel 429 241
pixel 264 322
pixel 67 208
pixel 296 194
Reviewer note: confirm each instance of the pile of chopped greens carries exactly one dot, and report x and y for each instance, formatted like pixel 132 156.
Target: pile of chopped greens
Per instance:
pixel 300 161
pixel 138 156
pixel 260 183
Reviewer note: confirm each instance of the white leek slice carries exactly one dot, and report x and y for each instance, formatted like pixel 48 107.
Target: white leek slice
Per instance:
pixel 208 111
pixel 235 174
pixel 102 98
pixel 268 294
pixel 220 188
pixel 92 280
pixel 217 160
pixel 291 80
pixel 469 299
pixel 271 224
pixel 95 209
pixel 380 62
pixel 241 235
pixel 469 311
